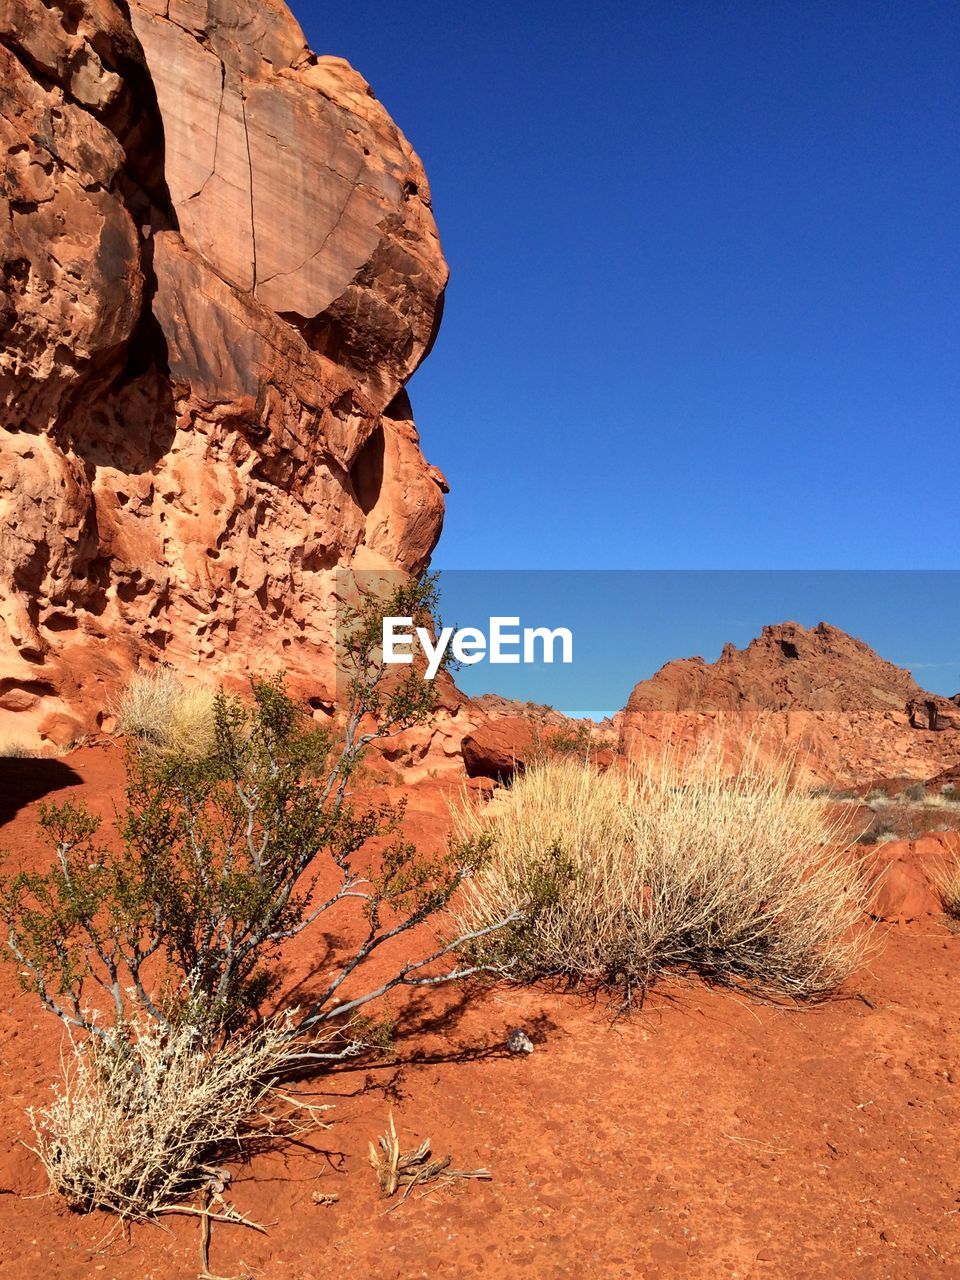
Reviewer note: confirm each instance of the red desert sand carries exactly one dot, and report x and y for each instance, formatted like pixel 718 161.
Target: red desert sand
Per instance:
pixel 705 1135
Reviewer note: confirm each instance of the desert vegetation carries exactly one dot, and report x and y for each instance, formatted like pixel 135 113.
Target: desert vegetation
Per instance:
pixel 160 950
pixel 159 945
pixel 909 813
pixel 621 879
pixel 15 749
pixel 164 715
pixel 21 749
pixel 136 1118
pixel 948 886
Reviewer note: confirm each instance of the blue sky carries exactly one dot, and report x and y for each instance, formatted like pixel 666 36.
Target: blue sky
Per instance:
pixel 625 625
pixel 703 309
pixel 704 299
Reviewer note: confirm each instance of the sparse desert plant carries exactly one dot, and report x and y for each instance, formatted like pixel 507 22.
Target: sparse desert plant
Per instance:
pixel 881 830
pixel 916 793
pixel 740 879
pixel 576 739
pixel 17 749
pixel 912 813
pixel 162 714
pixel 948 886
pixel 224 857
pixel 218 865
pixel 139 1118
pixel 396 1170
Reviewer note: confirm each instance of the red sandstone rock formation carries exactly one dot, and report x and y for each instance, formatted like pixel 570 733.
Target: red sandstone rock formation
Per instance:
pixel 510 736
pixel 850 715
pixel 499 748
pixel 219 266
pixel 907 873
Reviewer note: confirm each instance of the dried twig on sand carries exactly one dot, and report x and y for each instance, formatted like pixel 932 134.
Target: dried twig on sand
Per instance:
pixel 211 1194
pixel 396 1170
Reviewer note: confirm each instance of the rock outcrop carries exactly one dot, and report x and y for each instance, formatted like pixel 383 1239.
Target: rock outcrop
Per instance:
pixel 907 873
pixel 500 748
pixel 219 266
pixel 849 715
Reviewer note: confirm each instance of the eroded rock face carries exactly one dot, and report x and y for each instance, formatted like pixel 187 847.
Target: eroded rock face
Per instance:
pixel 848 714
pixel 219 266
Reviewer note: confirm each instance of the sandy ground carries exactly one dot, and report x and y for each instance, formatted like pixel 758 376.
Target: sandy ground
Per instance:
pixel 703 1136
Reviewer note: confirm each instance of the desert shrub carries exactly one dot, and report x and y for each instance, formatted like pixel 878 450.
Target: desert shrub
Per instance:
pixel 948 886
pixel 908 816
pixel 576 739
pixel 737 879
pixel 139 1118
pixel 915 793
pixel 882 829
pixel 950 792
pixel 222 858
pixel 164 715
pixel 16 750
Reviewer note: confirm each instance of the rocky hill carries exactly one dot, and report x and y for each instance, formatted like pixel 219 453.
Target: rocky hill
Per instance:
pixel 219 266
pixel 848 713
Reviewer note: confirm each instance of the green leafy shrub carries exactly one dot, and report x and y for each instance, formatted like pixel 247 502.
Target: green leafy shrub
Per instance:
pixel 224 856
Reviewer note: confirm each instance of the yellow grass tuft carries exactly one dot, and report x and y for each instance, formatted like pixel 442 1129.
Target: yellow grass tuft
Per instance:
pixel 17 749
pixel 948 886
pixel 165 715
pixel 667 869
pixel 138 1119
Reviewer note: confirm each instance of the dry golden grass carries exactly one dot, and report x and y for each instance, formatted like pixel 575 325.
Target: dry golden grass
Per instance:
pixel 37 749
pixel 948 886
pixel 136 1123
pixel 17 749
pixel 740 879
pixel 165 715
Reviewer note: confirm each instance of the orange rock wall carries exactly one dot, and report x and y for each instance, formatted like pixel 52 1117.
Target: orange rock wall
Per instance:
pixel 219 266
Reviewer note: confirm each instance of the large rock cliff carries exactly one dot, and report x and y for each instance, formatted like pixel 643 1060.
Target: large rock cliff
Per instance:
pixel 219 266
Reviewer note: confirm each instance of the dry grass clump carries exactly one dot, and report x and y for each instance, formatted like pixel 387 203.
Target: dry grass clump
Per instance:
pixel 742 880
pixel 165 715
pixel 948 886
pixel 137 1121
pixel 14 749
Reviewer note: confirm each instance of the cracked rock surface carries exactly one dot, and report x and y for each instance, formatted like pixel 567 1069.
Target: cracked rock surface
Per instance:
pixel 218 268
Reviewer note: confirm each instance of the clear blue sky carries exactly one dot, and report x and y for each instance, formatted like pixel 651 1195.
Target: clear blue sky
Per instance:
pixel 703 313
pixel 625 625
pixel 704 299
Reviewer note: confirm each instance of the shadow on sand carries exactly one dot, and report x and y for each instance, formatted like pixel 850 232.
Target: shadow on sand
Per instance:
pixel 23 780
